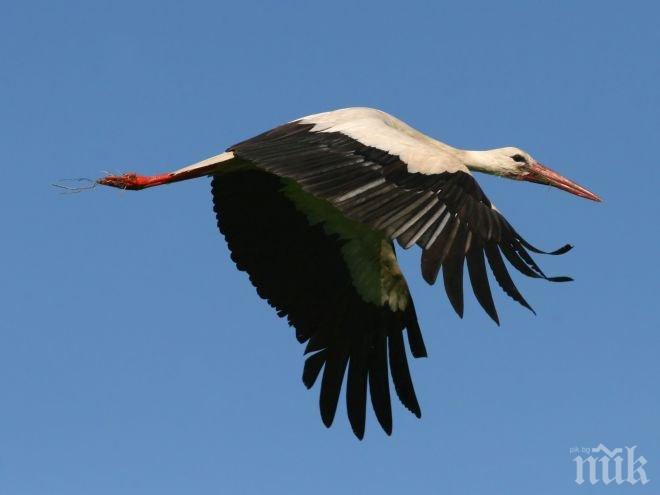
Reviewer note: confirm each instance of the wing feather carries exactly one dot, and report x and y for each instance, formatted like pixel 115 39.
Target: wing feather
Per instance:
pixel 356 388
pixel 379 189
pixel 300 268
pixel 479 280
pixel 379 388
pixel 452 273
pixel 401 374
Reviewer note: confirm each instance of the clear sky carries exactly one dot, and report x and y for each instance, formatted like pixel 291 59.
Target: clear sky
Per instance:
pixel 134 358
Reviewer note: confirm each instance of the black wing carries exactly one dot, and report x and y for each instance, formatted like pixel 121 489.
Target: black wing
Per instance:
pixel 446 214
pixel 300 270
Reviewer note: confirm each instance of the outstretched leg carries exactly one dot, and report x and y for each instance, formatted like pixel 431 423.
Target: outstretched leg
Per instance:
pixel 135 182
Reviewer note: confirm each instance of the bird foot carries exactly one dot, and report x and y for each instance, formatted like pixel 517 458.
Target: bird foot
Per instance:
pixel 133 181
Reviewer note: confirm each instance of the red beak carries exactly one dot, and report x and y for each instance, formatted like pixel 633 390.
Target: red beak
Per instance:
pixel 543 175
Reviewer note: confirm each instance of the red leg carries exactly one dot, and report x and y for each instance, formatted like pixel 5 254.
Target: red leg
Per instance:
pixel 135 182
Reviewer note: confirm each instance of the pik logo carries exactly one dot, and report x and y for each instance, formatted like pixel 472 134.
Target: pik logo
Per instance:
pixel 619 465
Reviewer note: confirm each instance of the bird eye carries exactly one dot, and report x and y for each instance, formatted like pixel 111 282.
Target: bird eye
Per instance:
pixel 519 158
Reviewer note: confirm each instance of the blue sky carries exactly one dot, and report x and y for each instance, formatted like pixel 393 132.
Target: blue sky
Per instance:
pixel 134 358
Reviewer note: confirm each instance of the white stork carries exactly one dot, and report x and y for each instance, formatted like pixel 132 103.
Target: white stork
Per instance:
pixel 310 210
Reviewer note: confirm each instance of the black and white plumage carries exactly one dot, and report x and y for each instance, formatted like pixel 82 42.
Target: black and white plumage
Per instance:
pixel 310 210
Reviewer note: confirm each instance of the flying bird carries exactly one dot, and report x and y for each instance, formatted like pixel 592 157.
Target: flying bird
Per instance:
pixel 311 209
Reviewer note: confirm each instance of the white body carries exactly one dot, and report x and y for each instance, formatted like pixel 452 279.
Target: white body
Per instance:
pixel 421 153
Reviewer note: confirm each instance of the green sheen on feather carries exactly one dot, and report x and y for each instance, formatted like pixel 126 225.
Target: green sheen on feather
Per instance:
pixel 369 254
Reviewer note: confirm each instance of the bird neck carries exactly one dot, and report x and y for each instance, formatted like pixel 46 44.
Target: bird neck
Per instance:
pixel 487 161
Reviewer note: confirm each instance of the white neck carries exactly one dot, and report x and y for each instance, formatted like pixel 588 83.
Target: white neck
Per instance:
pixel 492 162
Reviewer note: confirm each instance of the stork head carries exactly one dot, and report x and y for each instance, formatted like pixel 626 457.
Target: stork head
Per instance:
pixel 515 163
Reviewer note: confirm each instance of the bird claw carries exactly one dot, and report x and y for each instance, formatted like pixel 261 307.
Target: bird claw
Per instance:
pixel 135 182
pixel 130 180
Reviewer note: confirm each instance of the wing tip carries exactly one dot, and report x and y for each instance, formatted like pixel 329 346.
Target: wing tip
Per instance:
pixel 358 434
pixel 327 419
